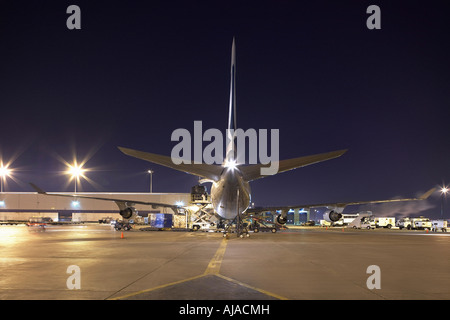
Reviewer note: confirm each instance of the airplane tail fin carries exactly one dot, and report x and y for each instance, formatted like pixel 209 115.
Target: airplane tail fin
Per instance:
pixel 232 106
pixel 253 172
pixel 232 125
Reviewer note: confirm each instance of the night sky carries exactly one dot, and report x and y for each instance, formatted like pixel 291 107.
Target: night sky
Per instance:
pixel 138 70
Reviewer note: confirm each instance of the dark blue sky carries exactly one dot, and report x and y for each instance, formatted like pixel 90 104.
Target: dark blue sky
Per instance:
pixel 138 70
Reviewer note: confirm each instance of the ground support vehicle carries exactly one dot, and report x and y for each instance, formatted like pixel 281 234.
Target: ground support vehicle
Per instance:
pixel 385 222
pixel 363 221
pixel 258 224
pixel 404 223
pixel 123 225
pixel 439 225
pixel 421 223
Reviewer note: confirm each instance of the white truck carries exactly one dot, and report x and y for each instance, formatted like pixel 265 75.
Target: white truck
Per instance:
pixel 404 223
pixel 385 222
pixel 437 225
pixel 421 223
pixel 363 221
pixel 414 223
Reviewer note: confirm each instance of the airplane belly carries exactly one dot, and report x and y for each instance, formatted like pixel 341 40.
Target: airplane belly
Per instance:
pixel 229 196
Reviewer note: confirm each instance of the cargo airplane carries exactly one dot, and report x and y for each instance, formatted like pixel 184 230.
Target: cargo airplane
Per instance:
pixel 230 191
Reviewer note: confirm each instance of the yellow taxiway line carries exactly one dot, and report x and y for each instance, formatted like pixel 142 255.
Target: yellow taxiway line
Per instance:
pixel 213 268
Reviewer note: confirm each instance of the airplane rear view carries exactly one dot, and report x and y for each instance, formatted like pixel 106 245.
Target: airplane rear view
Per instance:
pixel 231 177
pixel 230 191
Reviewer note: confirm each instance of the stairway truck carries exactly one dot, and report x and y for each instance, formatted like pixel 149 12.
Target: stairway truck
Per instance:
pixel 385 222
pixel 363 221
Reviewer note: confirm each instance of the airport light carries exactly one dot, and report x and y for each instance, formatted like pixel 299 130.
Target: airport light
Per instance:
pixel 75 204
pixel 76 171
pixel 4 172
pixel 151 180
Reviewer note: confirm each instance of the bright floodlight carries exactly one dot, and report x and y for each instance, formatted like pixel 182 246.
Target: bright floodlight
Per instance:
pixel 444 190
pixel 76 170
pixel 4 171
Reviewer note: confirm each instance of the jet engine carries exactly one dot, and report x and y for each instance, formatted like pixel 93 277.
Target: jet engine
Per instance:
pixel 332 216
pixel 281 220
pixel 128 213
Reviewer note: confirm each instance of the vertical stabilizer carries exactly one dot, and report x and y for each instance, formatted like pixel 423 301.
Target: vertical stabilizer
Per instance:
pixel 232 107
pixel 230 152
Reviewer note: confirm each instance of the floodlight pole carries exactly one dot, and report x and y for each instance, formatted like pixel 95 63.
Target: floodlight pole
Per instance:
pixel 444 191
pixel 151 180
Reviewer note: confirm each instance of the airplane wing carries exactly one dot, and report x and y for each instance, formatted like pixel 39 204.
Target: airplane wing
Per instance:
pixel 208 171
pixel 253 172
pixel 340 205
pixel 121 203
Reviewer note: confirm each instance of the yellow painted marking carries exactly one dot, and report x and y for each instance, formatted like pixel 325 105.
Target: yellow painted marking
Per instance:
pixel 213 268
pixel 158 287
pixel 268 293
pixel 216 261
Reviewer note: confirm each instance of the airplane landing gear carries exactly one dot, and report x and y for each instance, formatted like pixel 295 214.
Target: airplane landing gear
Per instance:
pixel 238 226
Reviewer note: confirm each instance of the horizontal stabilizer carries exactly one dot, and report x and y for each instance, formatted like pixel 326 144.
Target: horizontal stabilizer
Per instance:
pixel 253 172
pixel 209 171
pixel 339 204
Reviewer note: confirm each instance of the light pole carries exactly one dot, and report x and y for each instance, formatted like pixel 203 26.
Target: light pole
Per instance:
pixel 151 180
pixel 444 191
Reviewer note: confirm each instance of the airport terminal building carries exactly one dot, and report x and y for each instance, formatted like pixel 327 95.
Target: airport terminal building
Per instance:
pixel 21 206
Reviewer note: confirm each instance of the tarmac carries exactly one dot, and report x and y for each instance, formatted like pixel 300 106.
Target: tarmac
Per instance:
pixel 309 263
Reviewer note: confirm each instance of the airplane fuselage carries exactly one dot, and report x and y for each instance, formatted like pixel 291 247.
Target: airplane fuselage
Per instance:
pixel 230 194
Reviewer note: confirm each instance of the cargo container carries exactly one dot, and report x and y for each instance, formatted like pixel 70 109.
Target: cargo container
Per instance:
pixel 160 220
